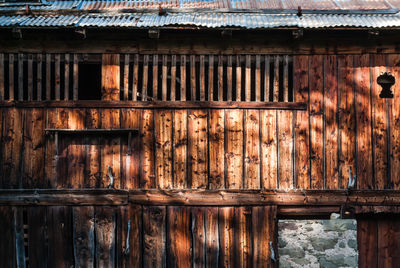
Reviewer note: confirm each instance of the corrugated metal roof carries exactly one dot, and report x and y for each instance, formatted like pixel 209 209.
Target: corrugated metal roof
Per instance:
pixel 206 20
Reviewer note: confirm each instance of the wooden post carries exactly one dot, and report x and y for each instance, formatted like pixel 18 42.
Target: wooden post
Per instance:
pixel 110 77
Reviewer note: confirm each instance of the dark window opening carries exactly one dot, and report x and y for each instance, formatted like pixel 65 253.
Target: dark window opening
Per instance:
pixel 89 81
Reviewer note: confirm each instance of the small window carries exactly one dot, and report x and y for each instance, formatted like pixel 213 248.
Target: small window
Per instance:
pixel 89 81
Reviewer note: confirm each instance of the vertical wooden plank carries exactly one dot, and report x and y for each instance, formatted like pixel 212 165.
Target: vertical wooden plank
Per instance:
pixel 229 78
pixel 316 121
pixel 216 149
pixel 269 149
pixel 135 77
pixel 130 155
pixel 258 78
pixel 39 77
pixel 76 156
pixel 173 77
pixel 264 228
pixel 11 76
pixel 238 78
pixel 252 149
pixel 198 236
pixel 30 77
pixel 7 244
pixel 285 149
pixel 105 231
pixel 155 77
pixel 210 77
pixel 48 76
pixel 331 124
pixel 197 148
pixel 92 166
pixel 57 78
pixel 301 94
pixel 179 238
pixel 266 77
pixel 126 76
pixel 111 149
pixel 193 77
pixel 220 78
pixel 286 78
pixel 66 77
pixel 164 77
pixel 75 78
pixel 163 136
pixel 110 77
pixel 363 113
pixel 202 79
pixel 234 149
pixel 129 236
pixel 248 79
pixel 367 237
pixel 83 236
pixel 147 176
pixel 60 240
pixel 33 168
pixel 180 141
pixel 388 242
pixel 154 237
pixel 212 236
pixel 20 76
pixel 226 236
pixel 1 76
pixel 183 77
pixel 276 78
pixel 20 251
pixel 347 120
pixel 243 250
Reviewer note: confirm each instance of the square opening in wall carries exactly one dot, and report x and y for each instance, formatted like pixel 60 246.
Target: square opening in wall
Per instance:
pixel 89 83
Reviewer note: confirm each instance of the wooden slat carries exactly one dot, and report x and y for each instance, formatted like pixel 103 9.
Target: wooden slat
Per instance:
pixel 202 79
pixel 60 240
pixel 286 78
pixel 76 150
pixel 30 77
pixel 316 121
pixel 388 242
pixel 197 149
pixel 20 76
pixel 179 237
pixel 198 228
pixel 367 237
pixel 110 77
pixel 216 133
pixel 285 149
pixel 193 77
pixel 266 77
pixel 238 78
pixel 363 112
pixel 145 77
pixel 243 250
pixel 39 77
pixel 75 77
pixel 7 245
pixel 269 149
pixel 302 153
pixel 183 78
pixel 155 78
pixel 20 252
pixel 154 237
pixel 276 79
pixel 135 78
pixel 163 136
pixel 229 78
pixel 173 77
pixel 212 237
pixel 83 236
pixel 130 155
pixel 252 149
pixel 2 75
pixel 11 76
pixel 66 76
pixel 258 78
pixel 248 79
pixel 164 77
pixel 347 120
pixel 48 77
pixel 126 76
pixel 226 236
pixel 210 77
pixel 111 149
pixel 264 228
pixel 234 149
pixel 147 161
pixel 92 165
pixel 180 141
pixel 220 96
pixel 331 123
pixel 105 236
pixel 57 78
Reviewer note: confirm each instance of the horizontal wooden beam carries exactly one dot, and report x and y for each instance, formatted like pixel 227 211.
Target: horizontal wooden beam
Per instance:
pixel 157 104
pixel 201 197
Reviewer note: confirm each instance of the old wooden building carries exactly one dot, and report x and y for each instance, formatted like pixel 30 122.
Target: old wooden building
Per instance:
pixel 172 133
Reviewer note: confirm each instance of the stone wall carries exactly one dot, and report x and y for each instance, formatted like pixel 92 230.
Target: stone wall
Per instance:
pixel 318 243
